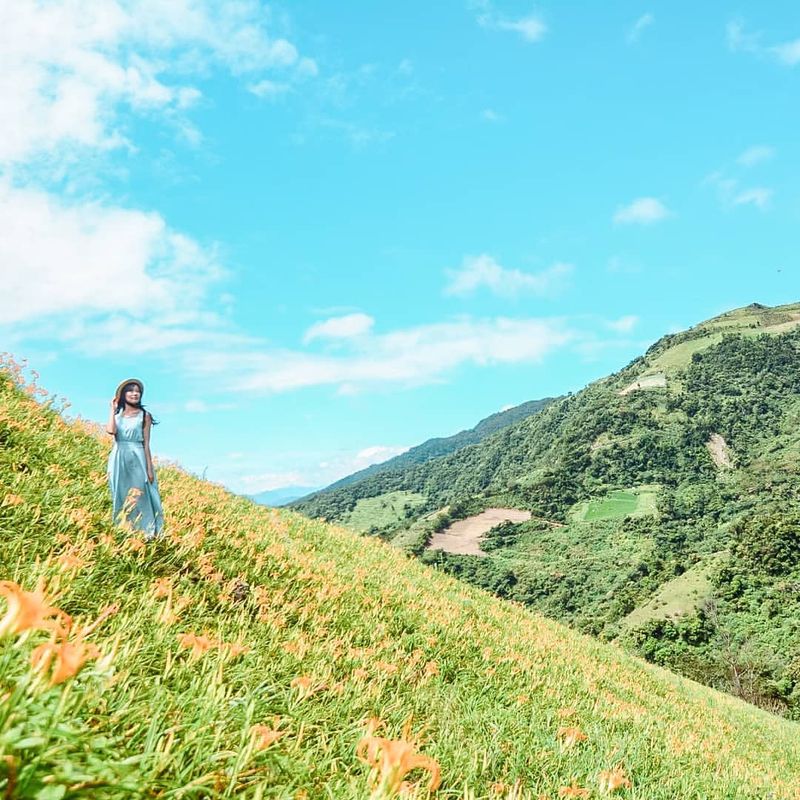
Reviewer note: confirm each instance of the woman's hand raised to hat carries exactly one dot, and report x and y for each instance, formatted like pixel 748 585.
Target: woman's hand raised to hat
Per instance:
pixel 114 405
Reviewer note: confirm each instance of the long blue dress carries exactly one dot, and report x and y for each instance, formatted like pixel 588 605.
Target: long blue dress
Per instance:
pixel 127 470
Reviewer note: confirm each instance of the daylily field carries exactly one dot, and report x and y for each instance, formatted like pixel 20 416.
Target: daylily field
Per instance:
pixel 254 653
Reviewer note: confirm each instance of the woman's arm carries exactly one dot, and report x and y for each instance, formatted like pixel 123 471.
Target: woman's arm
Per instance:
pixel 111 428
pixel 148 424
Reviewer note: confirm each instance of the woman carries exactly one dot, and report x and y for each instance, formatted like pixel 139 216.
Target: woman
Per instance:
pixel 131 477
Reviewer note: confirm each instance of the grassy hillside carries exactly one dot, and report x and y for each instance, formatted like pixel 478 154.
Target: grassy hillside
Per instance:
pixel 260 654
pixel 691 450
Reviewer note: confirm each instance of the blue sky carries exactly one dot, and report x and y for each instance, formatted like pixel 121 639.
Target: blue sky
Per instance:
pixel 322 233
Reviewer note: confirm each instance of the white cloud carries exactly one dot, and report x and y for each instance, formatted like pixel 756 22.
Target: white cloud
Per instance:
pixel 269 90
pixel 645 21
pixel 483 271
pixel 742 41
pixel 376 454
pixel 730 193
pixel 414 356
pixel 739 40
pixel 531 28
pixel 788 53
pixel 104 279
pixel 624 324
pixel 492 116
pixel 68 68
pixel 757 196
pixel 755 155
pixel 346 327
pixel 642 211
pixel 265 481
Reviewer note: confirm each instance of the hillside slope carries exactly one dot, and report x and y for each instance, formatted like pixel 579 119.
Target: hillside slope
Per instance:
pixel 256 653
pixel 685 459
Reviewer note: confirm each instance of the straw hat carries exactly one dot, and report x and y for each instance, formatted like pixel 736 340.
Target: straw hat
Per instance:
pixel 125 383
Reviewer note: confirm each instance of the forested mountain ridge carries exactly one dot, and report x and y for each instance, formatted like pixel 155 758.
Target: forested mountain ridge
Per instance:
pixel 441 446
pixel 674 483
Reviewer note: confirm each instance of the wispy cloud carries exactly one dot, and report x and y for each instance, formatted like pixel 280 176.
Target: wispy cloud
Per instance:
pixel 477 272
pixel 787 53
pixel 531 27
pixel 757 196
pixel 269 90
pixel 728 181
pixel 624 324
pixel 756 154
pixel 346 327
pixel 638 27
pixel 490 115
pixel 741 40
pixel 408 357
pixel 642 211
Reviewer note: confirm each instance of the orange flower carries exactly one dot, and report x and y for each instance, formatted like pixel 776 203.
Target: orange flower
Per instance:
pixel 571 736
pixel 162 587
pixel 28 610
pixel 391 760
pixel 235 649
pixel 264 736
pixel 70 561
pixel 573 791
pixel 198 644
pixel 613 779
pixel 69 657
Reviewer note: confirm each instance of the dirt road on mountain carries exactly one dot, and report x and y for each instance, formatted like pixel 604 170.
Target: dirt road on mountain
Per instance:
pixel 463 536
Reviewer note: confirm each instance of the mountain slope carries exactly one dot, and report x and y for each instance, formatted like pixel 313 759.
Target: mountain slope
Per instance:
pixel 701 435
pixel 243 655
pixel 441 446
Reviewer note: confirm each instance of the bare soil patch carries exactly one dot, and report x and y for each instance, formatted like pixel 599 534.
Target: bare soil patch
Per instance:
pixel 657 380
pixel 720 452
pixel 463 536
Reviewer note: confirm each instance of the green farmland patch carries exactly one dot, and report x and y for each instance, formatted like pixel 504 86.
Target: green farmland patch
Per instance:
pixel 637 502
pixel 382 511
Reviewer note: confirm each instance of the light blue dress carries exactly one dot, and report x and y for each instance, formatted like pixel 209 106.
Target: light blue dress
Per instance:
pixel 127 470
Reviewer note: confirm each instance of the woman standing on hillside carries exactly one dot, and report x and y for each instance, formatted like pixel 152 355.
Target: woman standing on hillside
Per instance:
pixel 131 477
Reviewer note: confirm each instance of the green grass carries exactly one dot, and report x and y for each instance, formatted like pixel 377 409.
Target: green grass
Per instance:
pixel 336 629
pixel 617 504
pixel 677 597
pixel 382 511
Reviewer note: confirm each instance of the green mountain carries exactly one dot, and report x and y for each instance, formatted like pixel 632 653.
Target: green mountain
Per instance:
pixel 254 653
pixel 434 448
pixel 665 504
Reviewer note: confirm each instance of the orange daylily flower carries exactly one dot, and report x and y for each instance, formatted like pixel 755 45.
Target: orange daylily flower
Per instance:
pixel 198 644
pixel 573 791
pixel 235 649
pixel 69 658
pixel 571 736
pixel 392 759
pixel 264 736
pixel 162 587
pixel 28 610
pixel 613 779
pixel 431 669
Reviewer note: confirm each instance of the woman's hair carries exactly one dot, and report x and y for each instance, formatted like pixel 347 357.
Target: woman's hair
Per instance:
pixel 121 403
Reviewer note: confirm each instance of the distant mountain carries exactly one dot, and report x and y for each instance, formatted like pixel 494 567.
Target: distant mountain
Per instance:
pixel 283 495
pixel 434 448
